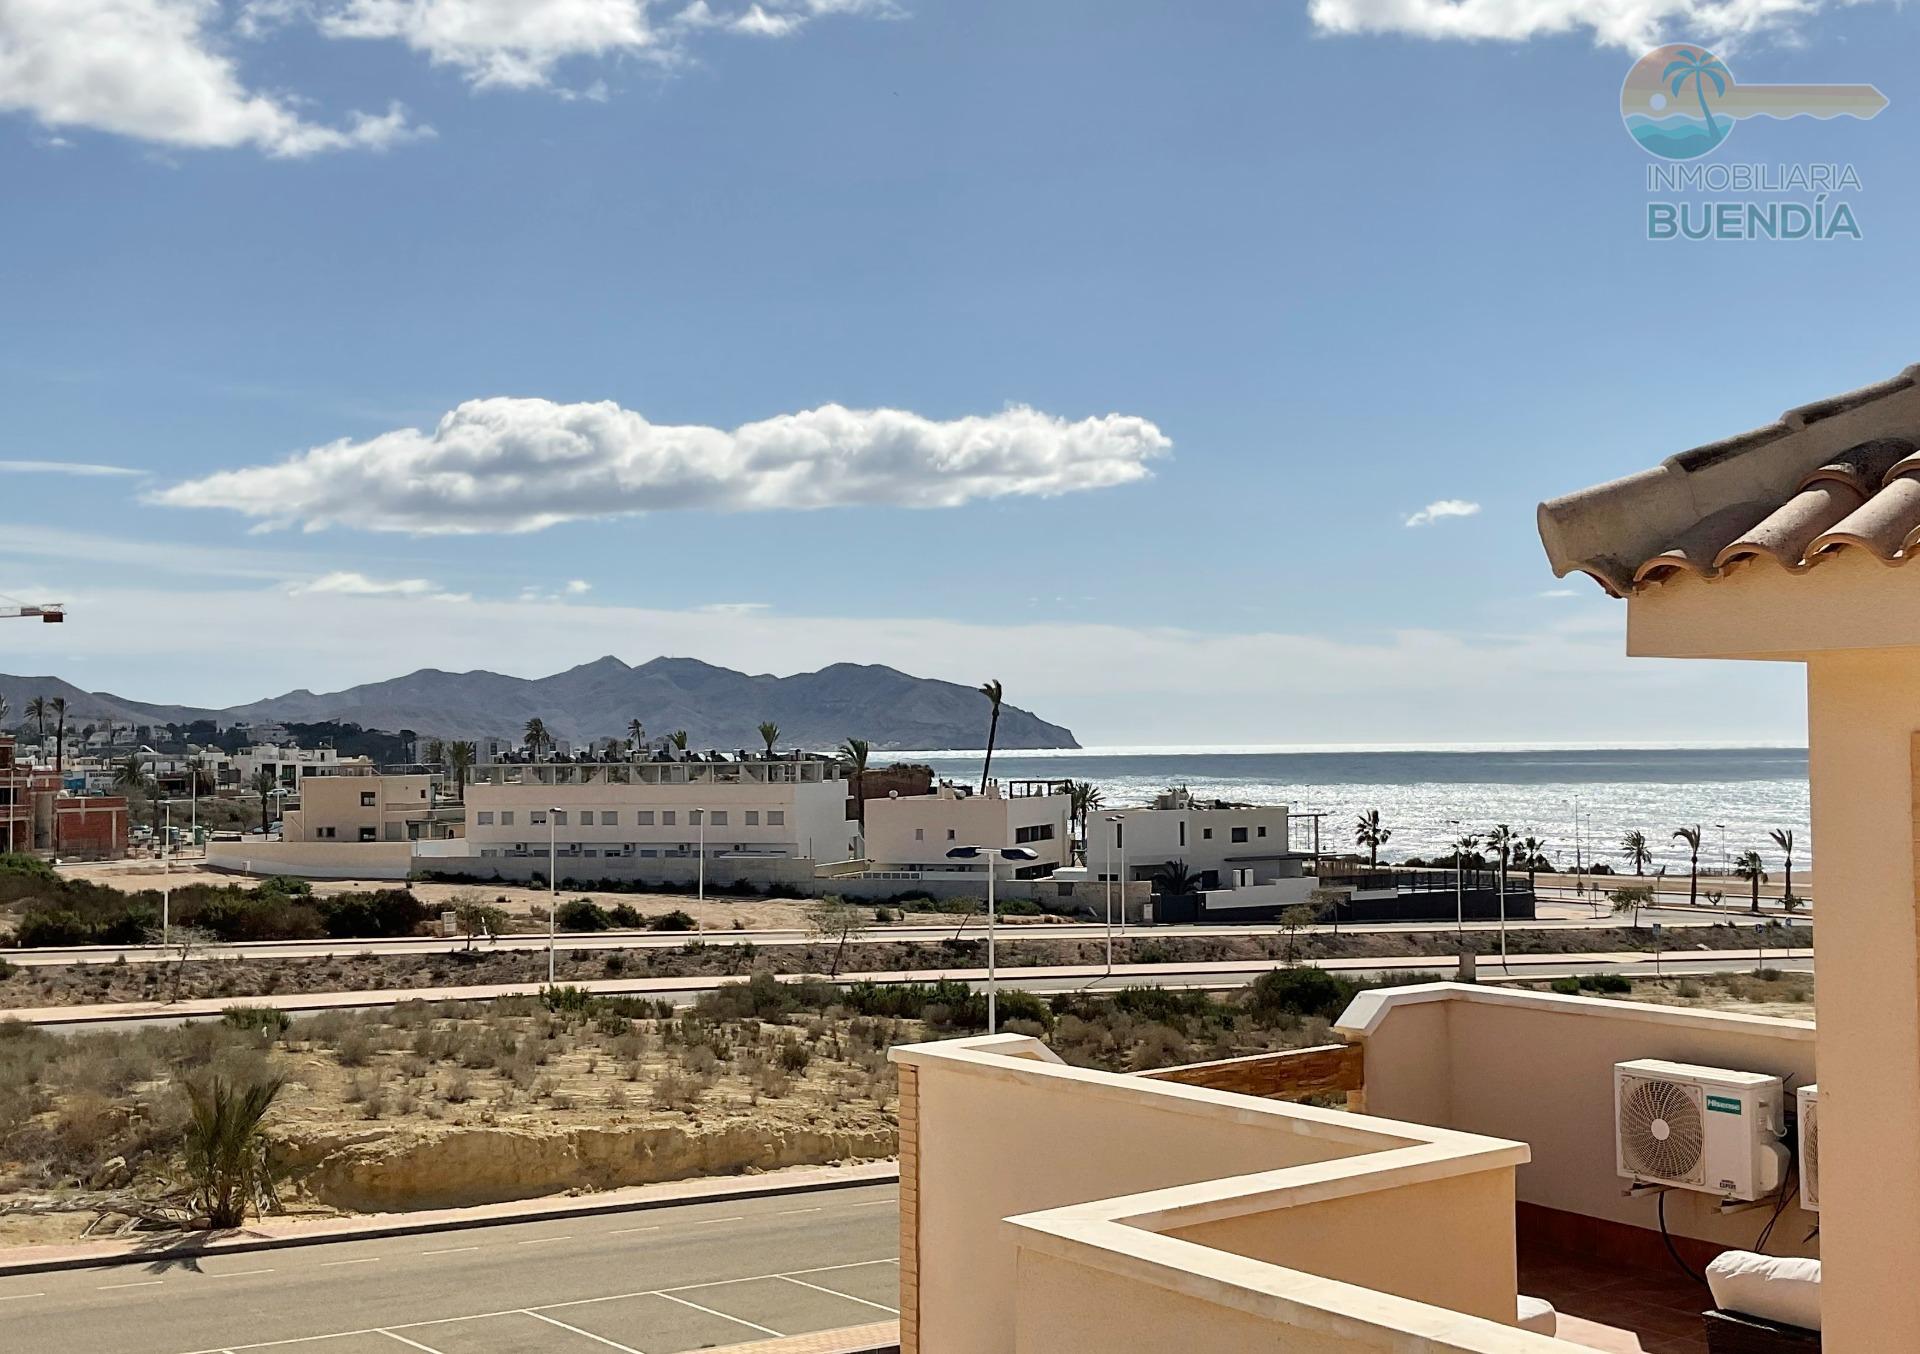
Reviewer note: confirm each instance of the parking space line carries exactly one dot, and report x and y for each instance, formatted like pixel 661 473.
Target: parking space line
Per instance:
pixel 364 1260
pixel 541 1240
pixel 415 1344
pixel 109 1287
pixel 788 1278
pixel 16 1297
pixel 789 1212
pixel 709 1222
pixel 724 1316
pixel 234 1273
pixel 451 1250
pixel 626 1231
pixel 610 1344
pixel 828 1269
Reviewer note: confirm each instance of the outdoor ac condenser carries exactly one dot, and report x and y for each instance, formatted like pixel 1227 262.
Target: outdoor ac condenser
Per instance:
pixel 1809 1105
pixel 1699 1128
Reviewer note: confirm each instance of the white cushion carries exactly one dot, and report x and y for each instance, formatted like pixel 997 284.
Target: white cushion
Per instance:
pixel 1538 1316
pixel 1773 1288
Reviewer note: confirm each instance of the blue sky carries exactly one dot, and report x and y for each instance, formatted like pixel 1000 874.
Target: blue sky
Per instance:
pixel 1184 311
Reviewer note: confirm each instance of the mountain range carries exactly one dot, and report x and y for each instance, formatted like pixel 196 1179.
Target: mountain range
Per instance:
pixel 717 706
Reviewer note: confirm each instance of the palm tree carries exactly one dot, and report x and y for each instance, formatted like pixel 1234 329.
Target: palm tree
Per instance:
pixel 1633 850
pixel 59 707
pixel 853 756
pixel 1175 880
pixel 1691 836
pixel 130 774
pixel 1530 854
pixel 1463 848
pixel 769 734
pixel 1783 838
pixel 993 692
pixel 1699 67
pixel 536 737
pixel 636 735
pixel 1500 838
pixel 1748 866
pixel 679 739
pixel 460 758
pixel 1083 801
pixel 226 1153
pixel 264 783
pixel 4 707
pixel 1368 832
pixel 37 712
pixel 434 753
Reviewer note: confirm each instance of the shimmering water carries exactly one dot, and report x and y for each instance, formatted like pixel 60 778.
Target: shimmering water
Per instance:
pixel 1737 795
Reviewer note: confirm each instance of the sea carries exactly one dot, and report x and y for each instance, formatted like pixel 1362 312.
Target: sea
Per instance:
pixel 1589 795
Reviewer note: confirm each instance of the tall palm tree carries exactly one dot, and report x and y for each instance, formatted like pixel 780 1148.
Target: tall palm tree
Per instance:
pixel 37 712
pixel 679 739
pixel 1463 848
pixel 434 753
pixel 636 735
pixel 1634 850
pixel 853 756
pixel 4 707
pixel 1083 801
pixel 993 691
pixel 1748 866
pixel 130 773
pixel 1699 67
pixel 461 757
pixel 1369 832
pixel 1783 838
pixel 59 707
pixel 1500 838
pixel 536 737
pixel 769 734
pixel 1530 854
pixel 264 783
pixel 1691 836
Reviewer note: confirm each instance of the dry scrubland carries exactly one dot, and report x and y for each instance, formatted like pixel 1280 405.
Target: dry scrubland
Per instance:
pixel 1770 992
pixel 443 1104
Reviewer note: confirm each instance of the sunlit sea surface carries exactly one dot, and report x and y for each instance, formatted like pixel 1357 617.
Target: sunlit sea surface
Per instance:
pixel 1736 794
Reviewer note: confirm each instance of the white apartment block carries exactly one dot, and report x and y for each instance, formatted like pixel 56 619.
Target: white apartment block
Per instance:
pixel 636 811
pixel 1227 845
pixel 289 765
pixel 356 804
pixel 915 832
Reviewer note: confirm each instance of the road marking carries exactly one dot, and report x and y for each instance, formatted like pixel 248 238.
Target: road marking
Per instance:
pixel 16 1297
pixel 425 1349
pixel 365 1260
pixel 709 1222
pixel 541 1240
pixel 789 1212
pixel 627 1231
pixel 828 1269
pixel 873 1203
pixel 233 1273
pixel 788 1278
pixel 610 1344
pixel 451 1250
pixel 724 1316
pixel 144 1283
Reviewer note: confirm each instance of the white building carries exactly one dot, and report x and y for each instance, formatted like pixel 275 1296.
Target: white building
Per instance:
pixel 355 803
pixel 288 764
pixel 913 833
pixel 1227 846
pixel 791 808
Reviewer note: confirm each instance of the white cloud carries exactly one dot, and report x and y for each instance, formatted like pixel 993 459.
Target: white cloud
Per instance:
pixel 1440 508
pixel 1560 592
pixel 346 583
pixel 510 465
pixel 157 70
pixel 79 468
pixel 578 587
pixel 732 608
pixel 512 44
pixel 1632 24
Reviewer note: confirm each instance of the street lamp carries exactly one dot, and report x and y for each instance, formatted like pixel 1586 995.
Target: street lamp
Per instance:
pixel 1118 836
pixel 1459 878
pixel 553 886
pixel 701 892
pixel 993 856
pixel 166 877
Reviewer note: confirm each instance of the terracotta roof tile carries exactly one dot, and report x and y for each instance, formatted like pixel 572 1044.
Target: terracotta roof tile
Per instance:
pixel 1838 474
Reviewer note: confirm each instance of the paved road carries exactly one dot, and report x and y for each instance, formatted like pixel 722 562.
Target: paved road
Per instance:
pixel 654 1281
pixel 1557 916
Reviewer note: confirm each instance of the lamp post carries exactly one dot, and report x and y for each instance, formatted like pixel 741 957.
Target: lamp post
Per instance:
pixel 1118 836
pixel 993 856
pixel 701 892
pixel 166 877
pixel 553 886
pixel 1459 879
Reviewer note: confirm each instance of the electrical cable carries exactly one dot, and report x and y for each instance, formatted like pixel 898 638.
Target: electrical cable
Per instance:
pixel 1672 1250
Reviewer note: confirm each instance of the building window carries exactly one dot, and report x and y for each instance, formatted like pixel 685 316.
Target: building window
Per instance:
pixel 506 818
pixel 484 818
pixel 719 818
pixel 608 818
pixel 951 834
pixel 366 834
pixel 1263 830
pixel 776 817
pixel 1042 832
pixel 753 818
pixel 919 834
pixel 644 818
pixel 326 833
pixel 368 799
pixel 559 817
pixel 1206 834
pixel 666 818
pixel 1183 832
pixel 1239 834
pixel 537 817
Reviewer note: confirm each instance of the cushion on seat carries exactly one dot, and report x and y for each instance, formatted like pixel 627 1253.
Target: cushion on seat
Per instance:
pixel 1774 1288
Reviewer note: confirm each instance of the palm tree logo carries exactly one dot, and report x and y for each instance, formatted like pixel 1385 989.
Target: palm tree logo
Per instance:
pixel 1699 66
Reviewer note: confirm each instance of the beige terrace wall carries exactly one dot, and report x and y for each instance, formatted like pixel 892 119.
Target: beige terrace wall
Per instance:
pixel 1539 1068
pixel 315 860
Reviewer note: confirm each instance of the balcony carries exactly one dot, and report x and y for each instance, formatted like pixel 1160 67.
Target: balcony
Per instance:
pixel 1054 1209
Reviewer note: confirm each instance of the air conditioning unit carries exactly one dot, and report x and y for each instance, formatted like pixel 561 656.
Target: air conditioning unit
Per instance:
pixel 1698 1128
pixel 1809 1103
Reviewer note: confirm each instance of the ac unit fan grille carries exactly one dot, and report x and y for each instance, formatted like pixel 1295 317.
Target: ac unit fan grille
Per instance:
pixel 1810 1154
pixel 1662 1129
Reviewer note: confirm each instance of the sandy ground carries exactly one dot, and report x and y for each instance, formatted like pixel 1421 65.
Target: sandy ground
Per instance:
pixel 1788 997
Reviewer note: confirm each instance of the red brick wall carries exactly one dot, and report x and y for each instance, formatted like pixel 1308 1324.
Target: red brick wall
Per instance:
pixel 95 826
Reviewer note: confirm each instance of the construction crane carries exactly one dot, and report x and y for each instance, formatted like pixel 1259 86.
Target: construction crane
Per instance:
pixel 52 613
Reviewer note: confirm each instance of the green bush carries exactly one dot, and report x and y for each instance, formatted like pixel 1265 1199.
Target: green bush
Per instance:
pixel 675 920
pixel 268 1020
pixel 565 998
pixel 1566 987
pixel 583 914
pixel 626 916
pixel 1299 991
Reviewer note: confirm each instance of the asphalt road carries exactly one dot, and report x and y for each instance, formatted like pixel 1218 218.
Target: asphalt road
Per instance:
pixel 652 1281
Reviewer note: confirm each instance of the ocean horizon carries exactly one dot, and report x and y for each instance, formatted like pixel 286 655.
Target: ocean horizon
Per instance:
pixel 1737 793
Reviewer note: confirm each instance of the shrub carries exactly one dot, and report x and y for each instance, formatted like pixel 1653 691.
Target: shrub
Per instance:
pixel 568 999
pixel 1300 991
pixel 675 920
pixel 1566 987
pixel 268 1020
pixel 626 916
pixel 583 914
